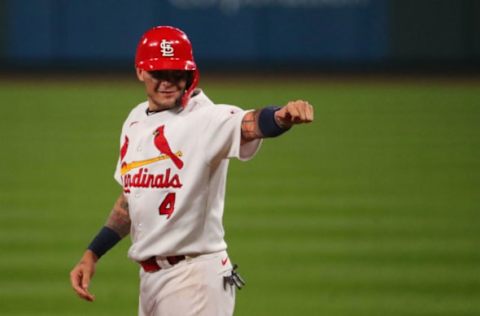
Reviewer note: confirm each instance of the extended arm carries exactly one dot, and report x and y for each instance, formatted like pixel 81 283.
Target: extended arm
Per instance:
pixel 116 227
pixel 271 122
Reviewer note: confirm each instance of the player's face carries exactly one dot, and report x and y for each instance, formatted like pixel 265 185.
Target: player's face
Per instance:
pixel 163 87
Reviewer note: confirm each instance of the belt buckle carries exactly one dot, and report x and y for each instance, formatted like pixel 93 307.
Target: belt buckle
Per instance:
pixel 163 262
pixel 154 264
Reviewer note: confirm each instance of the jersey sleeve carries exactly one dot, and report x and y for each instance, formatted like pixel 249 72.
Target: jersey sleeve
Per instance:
pixel 117 175
pixel 224 135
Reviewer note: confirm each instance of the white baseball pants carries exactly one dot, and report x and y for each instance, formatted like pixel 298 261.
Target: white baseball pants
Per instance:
pixel 192 287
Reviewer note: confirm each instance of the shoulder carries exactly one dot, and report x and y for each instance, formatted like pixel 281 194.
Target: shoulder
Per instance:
pixel 201 104
pixel 198 102
pixel 137 113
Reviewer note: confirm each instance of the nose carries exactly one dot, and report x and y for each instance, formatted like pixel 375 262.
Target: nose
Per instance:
pixel 165 83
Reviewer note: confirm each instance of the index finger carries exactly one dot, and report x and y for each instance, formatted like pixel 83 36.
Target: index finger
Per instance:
pixel 309 111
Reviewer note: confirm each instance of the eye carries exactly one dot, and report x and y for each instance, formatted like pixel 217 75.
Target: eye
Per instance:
pixel 169 75
pixel 157 75
pixel 178 75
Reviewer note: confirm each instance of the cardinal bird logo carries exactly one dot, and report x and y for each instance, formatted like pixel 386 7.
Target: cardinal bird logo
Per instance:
pixel 162 145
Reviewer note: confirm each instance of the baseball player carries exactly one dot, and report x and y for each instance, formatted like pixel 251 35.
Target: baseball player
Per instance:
pixel 174 154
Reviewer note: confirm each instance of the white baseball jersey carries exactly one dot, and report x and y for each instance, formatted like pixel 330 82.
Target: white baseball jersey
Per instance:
pixel 173 168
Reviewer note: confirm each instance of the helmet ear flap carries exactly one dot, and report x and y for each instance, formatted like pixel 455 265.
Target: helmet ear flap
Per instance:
pixel 195 77
pixel 190 76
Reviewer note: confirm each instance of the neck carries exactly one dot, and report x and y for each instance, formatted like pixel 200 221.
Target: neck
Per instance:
pixel 155 107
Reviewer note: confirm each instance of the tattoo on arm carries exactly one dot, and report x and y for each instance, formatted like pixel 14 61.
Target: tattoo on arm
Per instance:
pixel 250 129
pixel 119 219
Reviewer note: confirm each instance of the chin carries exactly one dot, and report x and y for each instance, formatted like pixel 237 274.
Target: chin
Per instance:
pixel 163 103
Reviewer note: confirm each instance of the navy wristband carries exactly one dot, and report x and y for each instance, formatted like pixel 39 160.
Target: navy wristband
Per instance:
pixel 106 239
pixel 267 124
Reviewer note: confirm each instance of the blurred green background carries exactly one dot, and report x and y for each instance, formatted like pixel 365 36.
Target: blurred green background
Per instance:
pixel 373 209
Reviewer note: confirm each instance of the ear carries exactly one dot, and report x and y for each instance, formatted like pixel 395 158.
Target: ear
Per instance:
pixel 140 74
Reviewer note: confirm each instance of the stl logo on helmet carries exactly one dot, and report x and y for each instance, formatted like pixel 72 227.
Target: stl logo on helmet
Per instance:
pixel 166 48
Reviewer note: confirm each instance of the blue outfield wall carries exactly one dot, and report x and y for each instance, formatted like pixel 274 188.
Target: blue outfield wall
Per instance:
pixel 96 32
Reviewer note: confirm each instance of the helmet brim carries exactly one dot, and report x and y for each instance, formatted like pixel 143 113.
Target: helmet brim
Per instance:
pixel 166 64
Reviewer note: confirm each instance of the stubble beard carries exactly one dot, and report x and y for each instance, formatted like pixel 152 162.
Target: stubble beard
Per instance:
pixel 161 106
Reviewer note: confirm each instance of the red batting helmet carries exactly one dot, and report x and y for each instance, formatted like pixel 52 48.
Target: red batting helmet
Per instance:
pixel 167 48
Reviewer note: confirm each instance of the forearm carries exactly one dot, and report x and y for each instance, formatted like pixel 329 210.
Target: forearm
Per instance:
pixel 274 121
pixel 119 218
pixel 255 124
pixel 116 227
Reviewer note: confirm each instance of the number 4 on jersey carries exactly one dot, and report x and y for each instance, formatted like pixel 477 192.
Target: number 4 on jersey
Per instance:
pixel 168 205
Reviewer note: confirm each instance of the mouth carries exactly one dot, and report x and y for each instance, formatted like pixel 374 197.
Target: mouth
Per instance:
pixel 167 91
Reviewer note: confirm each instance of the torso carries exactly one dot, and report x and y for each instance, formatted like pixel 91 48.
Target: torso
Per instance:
pixel 173 171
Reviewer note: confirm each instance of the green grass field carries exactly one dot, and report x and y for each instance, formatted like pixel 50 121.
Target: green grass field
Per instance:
pixel 374 209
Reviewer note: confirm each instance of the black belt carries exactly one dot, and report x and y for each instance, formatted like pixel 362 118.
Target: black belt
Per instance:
pixel 151 265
